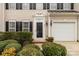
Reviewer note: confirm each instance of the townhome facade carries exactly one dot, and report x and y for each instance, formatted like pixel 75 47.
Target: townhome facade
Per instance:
pixel 58 20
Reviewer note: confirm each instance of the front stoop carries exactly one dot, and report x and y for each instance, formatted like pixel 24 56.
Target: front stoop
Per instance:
pixel 39 41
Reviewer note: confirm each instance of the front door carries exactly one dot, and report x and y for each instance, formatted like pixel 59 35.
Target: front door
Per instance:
pixel 39 30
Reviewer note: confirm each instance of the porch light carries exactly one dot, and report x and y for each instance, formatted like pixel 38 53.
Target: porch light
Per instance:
pixel 51 23
pixel 46 23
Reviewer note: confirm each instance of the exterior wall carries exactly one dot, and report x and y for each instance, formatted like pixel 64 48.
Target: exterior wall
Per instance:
pixel 23 14
pixel 2 27
pixel 76 6
pixel 19 15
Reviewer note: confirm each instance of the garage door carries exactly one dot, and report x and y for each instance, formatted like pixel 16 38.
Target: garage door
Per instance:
pixel 64 31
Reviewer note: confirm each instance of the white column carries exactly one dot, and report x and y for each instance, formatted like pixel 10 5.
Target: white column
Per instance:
pixel 49 27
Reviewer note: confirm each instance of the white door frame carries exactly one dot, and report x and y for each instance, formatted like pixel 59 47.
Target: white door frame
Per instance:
pixel 67 20
pixel 34 27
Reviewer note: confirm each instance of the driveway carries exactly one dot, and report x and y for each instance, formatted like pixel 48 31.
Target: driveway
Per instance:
pixel 72 47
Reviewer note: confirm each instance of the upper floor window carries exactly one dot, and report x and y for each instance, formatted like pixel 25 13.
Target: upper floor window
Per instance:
pixel 53 6
pixel 39 6
pixel 65 6
pixel 18 6
pixel 46 6
pixel 25 6
pixel 32 6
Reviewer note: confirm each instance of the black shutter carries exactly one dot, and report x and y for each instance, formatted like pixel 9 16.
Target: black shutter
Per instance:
pixel 57 5
pixel 34 6
pixel 6 6
pixel 31 26
pixel 18 26
pixel 7 26
pixel 44 6
pixel 30 6
pixel 20 5
pixel 61 5
pixel 72 5
pixel 48 6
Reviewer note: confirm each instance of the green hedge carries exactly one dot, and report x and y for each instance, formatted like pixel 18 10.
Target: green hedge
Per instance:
pixel 15 45
pixel 53 49
pixel 7 35
pixel 9 41
pixel 30 52
pixel 19 36
pixel 32 46
pixel 2 45
pixel 24 36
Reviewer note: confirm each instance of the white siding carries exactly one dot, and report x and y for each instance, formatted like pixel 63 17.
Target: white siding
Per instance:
pixel 39 6
pixel 53 6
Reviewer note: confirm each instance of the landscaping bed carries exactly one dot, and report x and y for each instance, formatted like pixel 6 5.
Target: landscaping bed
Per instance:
pixel 20 44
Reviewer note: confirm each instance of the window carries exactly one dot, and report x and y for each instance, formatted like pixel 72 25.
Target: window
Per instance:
pixel 12 26
pixel 53 6
pixel 46 6
pixel 18 26
pixel 66 6
pixel 59 5
pixel 39 6
pixel 32 6
pixel 26 26
pixel 18 6
pixel 25 6
pixel 12 6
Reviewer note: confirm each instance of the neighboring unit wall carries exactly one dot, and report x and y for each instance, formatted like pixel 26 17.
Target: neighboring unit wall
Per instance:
pixel 2 28
pixel 76 6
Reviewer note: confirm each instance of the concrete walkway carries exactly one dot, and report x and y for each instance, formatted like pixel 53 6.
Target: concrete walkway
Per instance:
pixel 72 47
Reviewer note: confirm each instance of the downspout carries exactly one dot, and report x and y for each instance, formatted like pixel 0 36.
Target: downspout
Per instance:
pixel 77 28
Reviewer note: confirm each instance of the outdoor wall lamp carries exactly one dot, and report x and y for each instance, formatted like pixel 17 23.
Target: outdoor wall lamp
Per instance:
pixel 51 23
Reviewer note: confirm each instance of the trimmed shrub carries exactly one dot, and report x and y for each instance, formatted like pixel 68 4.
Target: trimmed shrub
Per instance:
pixel 50 39
pixel 30 52
pixel 9 41
pixel 9 52
pixel 31 46
pixel 24 36
pixel 21 37
pixel 2 45
pixel 17 46
pixel 7 35
pixel 53 49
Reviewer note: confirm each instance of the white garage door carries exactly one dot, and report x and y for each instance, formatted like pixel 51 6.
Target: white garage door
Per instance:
pixel 64 31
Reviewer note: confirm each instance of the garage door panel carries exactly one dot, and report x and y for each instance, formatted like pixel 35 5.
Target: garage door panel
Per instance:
pixel 64 31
